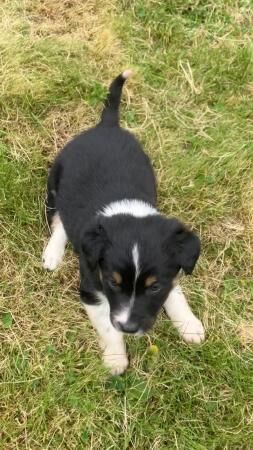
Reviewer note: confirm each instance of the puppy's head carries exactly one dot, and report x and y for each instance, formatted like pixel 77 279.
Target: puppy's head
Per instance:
pixel 138 259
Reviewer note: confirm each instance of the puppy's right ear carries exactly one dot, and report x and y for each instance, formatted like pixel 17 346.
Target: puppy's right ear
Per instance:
pixel 94 240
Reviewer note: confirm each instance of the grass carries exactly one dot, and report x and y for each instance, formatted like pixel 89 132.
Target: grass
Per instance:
pixel 190 103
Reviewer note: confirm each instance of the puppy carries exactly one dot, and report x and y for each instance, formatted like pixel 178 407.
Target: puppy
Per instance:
pixel 102 197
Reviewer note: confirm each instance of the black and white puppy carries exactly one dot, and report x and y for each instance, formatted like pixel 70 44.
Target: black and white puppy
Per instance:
pixel 102 197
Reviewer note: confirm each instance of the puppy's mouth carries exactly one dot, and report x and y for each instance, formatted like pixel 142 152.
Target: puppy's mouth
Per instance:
pixel 128 327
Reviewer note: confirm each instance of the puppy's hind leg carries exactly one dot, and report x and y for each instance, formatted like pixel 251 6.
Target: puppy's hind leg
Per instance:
pixel 54 251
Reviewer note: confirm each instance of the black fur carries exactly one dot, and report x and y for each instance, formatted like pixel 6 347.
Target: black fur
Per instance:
pixel 100 166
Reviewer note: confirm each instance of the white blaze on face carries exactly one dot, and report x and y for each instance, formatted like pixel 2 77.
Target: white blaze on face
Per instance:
pixel 123 316
pixel 136 261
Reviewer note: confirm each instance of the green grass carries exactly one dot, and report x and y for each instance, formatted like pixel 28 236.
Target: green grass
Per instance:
pixel 190 103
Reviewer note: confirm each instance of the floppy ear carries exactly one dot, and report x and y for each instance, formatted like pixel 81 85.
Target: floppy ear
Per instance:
pixel 93 243
pixel 188 249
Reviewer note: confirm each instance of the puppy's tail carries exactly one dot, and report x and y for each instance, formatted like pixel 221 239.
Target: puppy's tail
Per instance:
pixel 110 113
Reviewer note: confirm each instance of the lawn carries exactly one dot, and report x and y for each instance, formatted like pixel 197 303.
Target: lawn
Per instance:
pixel 190 103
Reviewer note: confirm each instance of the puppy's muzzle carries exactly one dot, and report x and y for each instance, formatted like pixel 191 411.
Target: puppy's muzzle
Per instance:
pixel 127 327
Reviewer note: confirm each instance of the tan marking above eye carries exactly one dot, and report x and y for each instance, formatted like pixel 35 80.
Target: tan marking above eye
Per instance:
pixel 150 280
pixel 117 277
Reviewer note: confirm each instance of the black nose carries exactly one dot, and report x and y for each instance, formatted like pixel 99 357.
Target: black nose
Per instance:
pixel 128 327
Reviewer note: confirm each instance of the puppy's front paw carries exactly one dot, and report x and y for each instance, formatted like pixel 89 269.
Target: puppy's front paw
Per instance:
pixel 116 363
pixel 52 257
pixel 192 331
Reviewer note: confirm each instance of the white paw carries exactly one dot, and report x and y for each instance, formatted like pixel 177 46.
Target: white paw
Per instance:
pixel 52 257
pixel 192 331
pixel 117 364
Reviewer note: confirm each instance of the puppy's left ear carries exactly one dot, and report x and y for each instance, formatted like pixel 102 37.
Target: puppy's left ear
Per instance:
pixel 188 249
pixel 93 243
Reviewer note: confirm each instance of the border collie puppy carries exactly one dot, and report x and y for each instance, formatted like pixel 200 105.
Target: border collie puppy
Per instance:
pixel 102 198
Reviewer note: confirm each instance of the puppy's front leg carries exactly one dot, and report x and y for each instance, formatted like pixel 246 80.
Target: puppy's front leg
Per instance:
pixel 111 340
pixel 177 308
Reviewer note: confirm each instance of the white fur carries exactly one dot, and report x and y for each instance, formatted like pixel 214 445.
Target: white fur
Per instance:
pixel 127 73
pixel 177 308
pixel 122 316
pixel 136 208
pixel 54 251
pixel 112 342
pixel 136 260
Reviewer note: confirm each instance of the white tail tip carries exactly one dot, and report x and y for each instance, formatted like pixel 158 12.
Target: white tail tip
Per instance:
pixel 127 73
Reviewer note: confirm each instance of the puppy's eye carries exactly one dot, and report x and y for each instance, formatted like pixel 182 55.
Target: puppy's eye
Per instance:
pixel 115 280
pixel 155 287
pixel 113 284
